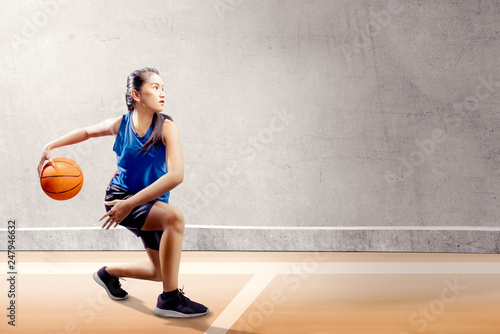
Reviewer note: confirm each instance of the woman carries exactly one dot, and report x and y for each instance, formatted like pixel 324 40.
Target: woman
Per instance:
pixel 147 145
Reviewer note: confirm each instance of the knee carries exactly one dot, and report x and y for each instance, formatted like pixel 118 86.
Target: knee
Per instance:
pixel 156 275
pixel 176 220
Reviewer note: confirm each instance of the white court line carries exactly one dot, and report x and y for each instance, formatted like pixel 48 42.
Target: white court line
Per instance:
pixel 288 228
pixel 311 267
pixel 240 303
pixel 65 228
pixel 264 272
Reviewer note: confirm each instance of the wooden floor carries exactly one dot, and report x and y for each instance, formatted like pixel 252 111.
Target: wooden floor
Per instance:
pixel 363 293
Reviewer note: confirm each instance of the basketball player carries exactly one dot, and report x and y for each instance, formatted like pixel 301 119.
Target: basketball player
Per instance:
pixel 147 145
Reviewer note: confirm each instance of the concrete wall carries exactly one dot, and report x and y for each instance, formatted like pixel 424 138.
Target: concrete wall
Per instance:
pixel 305 125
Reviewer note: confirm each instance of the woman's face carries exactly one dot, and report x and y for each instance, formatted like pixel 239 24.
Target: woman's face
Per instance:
pixel 151 95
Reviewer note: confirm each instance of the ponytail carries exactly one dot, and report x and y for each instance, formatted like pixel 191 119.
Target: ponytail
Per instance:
pixel 156 134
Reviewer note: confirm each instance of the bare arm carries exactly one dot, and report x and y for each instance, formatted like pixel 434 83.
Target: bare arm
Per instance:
pixel 174 177
pixel 106 128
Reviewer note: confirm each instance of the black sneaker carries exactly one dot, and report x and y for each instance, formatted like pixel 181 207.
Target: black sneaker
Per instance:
pixel 179 306
pixel 110 284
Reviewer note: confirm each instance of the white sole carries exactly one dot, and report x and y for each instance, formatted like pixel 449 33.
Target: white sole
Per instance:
pixel 101 283
pixel 174 314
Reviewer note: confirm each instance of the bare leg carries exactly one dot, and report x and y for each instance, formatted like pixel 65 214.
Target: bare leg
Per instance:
pixel 168 218
pixel 147 270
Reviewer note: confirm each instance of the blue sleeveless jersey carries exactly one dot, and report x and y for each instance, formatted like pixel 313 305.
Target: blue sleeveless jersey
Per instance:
pixel 137 170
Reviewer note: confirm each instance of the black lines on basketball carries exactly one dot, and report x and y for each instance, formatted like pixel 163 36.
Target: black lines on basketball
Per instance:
pixel 62 181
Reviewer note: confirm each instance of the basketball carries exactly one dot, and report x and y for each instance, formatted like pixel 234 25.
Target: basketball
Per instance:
pixel 63 181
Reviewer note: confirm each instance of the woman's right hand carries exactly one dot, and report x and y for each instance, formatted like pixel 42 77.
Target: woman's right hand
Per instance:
pixel 46 155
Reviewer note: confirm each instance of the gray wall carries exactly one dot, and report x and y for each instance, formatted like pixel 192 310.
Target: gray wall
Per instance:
pixel 305 125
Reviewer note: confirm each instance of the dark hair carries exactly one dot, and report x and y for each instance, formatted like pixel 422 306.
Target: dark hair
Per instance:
pixel 135 80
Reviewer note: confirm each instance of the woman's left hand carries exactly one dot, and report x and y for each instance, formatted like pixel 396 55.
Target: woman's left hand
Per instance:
pixel 120 210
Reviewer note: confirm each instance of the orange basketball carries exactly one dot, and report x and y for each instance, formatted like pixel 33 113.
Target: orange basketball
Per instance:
pixel 63 181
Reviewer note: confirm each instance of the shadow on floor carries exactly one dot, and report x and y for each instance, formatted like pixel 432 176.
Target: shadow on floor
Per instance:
pixel 200 324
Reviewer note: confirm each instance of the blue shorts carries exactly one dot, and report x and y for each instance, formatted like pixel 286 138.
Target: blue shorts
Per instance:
pixel 135 220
